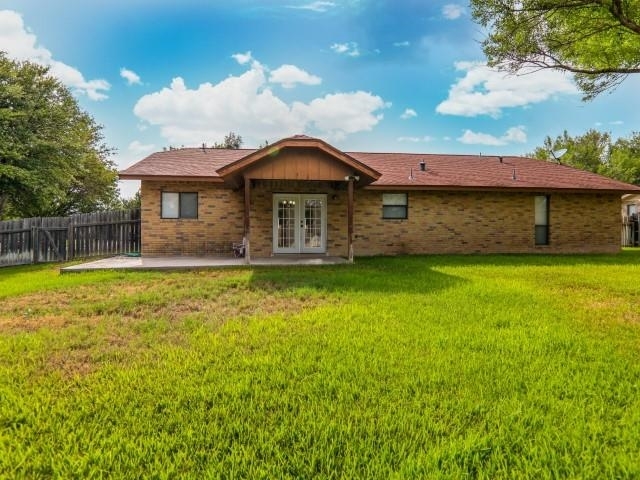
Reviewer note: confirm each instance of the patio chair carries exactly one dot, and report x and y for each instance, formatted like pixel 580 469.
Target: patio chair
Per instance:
pixel 239 248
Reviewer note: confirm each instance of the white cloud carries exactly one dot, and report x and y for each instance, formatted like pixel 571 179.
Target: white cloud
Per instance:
pixel 138 147
pixel 242 58
pixel 408 113
pixel 426 138
pixel 512 135
pixel 452 11
pixel 290 75
pixel 486 91
pixel 516 135
pixel 341 113
pixel 130 76
pixel 406 43
pixel 319 6
pixel 348 48
pixel 616 122
pixel 245 104
pixel 21 44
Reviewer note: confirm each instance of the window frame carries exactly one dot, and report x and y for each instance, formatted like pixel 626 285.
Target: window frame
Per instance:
pixel 405 206
pixel 180 215
pixel 543 228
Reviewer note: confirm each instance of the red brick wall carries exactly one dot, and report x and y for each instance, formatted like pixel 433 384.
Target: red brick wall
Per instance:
pixel 438 222
pixel 486 222
pixel 219 222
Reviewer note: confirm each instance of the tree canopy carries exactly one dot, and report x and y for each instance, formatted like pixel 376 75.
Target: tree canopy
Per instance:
pixel 596 152
pixel 596 40
pixel 231 140
pixel 52 157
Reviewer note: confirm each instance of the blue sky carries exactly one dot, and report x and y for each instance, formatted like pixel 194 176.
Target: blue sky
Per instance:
pixel 365 75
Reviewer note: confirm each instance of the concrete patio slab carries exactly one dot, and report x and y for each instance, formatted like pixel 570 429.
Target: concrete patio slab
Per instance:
pixel 191 263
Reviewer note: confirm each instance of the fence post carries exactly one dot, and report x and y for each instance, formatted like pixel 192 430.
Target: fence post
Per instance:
pixel 70 240
pixel 35 243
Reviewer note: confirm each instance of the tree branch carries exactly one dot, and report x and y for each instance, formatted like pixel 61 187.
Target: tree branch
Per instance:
pixel 585 71
pixel 616 10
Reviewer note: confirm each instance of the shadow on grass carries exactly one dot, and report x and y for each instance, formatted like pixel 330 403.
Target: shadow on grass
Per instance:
pixel 382 274
pixel 628 256
pixel 416 273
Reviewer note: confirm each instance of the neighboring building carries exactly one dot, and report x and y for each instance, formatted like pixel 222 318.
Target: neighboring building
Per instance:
pixel 304 196
pixel 630 205
pixel 631 220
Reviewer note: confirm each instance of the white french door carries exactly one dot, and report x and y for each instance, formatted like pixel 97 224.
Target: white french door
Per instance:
pixel 299 223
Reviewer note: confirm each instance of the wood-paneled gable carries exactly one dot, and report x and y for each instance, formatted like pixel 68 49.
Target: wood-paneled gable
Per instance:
pixel 299 164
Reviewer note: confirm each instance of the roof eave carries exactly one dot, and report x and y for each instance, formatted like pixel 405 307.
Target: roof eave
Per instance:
pixel 460 188
pixel 175 178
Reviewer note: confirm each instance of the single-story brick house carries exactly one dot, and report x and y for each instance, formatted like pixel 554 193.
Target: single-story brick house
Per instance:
pixel 304 196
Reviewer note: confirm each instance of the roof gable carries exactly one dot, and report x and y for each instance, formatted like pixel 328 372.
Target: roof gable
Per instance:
pixel 302 143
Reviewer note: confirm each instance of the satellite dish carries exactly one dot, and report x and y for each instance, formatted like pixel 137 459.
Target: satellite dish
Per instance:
pixel 556 154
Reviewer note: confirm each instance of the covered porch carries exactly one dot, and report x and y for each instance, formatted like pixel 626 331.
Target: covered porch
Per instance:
pixel 298 198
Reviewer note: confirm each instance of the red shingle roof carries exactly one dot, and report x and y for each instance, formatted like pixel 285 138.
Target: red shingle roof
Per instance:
pixel 488 172
pixel 184 162
pixel 442 171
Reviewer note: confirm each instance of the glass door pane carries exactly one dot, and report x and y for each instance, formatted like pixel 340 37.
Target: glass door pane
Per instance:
pixel 313 223
pixel 314 216
pixel 287 222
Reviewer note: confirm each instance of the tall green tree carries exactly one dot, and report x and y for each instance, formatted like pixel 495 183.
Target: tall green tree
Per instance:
pixel 53 160
pixel 624 160
pixel 231 141
pixel 596 152
pixel 596 40
pixel 133 202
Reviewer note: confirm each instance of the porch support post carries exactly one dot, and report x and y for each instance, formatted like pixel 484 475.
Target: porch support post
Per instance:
pixel 247 222
pixel 350 217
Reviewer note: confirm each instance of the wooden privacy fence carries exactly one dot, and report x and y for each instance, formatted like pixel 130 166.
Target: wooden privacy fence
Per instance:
pixel 57 239
pixel 631 231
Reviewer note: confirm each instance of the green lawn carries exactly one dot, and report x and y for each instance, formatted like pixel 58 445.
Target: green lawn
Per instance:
pixel 410 367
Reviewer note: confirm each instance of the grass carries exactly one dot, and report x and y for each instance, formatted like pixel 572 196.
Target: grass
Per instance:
pixel 408 367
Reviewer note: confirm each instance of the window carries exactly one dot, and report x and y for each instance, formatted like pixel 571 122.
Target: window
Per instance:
pixel 632 210
pixel 394 205
pixel 542 219
pixel 179 205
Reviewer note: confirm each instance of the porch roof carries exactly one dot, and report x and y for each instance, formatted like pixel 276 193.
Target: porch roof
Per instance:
pixel 301 143
pixel 382 170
